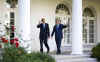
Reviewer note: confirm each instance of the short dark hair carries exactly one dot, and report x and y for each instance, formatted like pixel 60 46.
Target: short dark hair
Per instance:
pixel 57 19
pixel 42 19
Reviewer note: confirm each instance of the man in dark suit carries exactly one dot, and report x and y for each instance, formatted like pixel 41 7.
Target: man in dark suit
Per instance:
pixel 44 34
pixel 57 29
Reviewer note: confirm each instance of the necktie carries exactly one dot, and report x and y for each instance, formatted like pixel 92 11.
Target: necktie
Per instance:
pixel 43 25
pixel 57 26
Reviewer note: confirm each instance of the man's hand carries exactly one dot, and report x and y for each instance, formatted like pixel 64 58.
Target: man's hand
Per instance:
pixel 39 22
pixel 49 37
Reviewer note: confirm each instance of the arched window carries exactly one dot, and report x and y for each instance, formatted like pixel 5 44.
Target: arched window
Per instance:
pixel 63 13
pixel 89 26
pixel 61 8
pixel 88 12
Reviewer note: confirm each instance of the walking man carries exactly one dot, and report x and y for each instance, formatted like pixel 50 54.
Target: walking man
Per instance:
pixel 57 29
pixel 44 34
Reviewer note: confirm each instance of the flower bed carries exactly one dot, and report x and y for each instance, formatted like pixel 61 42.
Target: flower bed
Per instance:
pixel 13 52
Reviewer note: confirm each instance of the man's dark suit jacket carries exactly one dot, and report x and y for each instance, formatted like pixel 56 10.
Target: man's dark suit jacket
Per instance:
pixel 58 31
pixel 44 32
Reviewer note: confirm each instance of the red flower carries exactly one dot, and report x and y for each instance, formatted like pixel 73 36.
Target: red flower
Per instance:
pixel 0 46
pixel 13 28
pixel 5 41
pixel 17 44
pixel 12 41
pixel 16 39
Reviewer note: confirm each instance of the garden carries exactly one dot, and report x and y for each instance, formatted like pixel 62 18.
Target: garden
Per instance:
pixel 13 52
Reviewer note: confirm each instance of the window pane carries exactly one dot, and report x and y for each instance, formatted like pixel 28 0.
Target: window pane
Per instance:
pixel 91 36
pixel 91 40
pixel 91 26
pixel 11 21
pixel 12 15
pixel 91 22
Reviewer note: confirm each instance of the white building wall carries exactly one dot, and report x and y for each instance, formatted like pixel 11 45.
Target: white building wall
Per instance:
pixel 46 9
pixel 4 12
pixel 39 9
pixel 98 23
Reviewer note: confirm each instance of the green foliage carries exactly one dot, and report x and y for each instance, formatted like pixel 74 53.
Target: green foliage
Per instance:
pixel 36 57
pixel 10 1
pixel 96 52
pixel 13 54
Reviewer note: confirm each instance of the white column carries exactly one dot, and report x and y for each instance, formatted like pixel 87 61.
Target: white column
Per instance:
pixel 77 27
pixel 24 23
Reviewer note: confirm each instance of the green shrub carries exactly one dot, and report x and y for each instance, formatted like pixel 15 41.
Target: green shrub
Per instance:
pixel 96 52
pixel 13 54
pixel 36 57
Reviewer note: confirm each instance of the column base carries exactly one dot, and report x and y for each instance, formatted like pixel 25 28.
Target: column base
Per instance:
pixel 27 45
pixel 29 51
pixel 77 53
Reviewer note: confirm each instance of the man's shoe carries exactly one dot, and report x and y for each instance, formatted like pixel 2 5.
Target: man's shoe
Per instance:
pixel 48 51
pixel 41 50
pixel 58 53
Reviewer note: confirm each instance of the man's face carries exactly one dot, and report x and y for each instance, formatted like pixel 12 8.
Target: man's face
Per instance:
pixel 57 22
pixel 43 20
